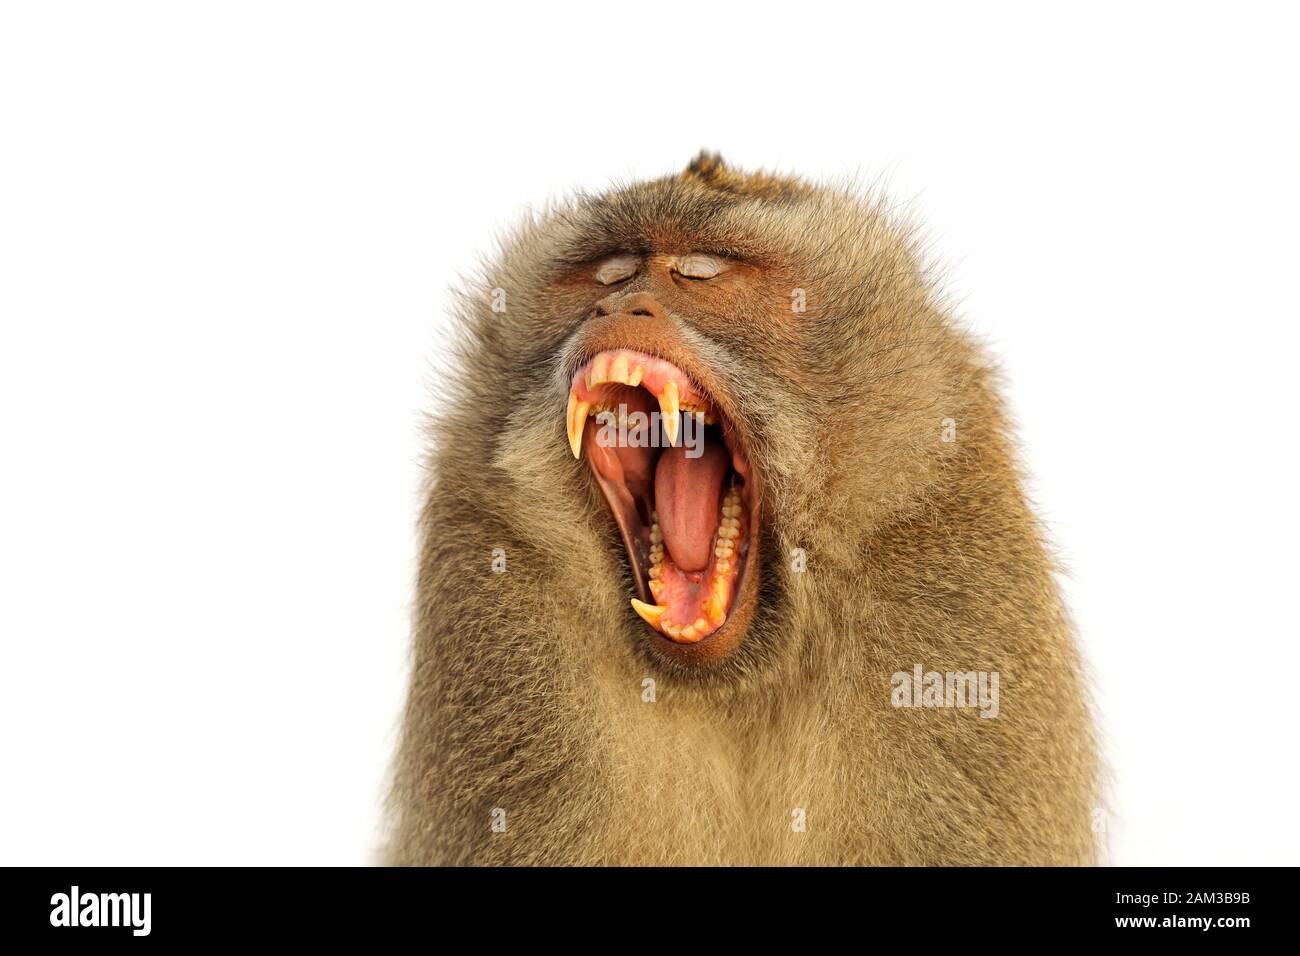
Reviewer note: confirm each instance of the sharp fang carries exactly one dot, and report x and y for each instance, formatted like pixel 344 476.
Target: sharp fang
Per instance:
pixel 669 409
pixel 713 607
pixel 650 613
pixel 568 416
pixel 576 419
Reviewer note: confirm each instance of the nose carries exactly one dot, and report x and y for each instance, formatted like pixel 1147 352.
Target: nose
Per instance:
pixel 638 303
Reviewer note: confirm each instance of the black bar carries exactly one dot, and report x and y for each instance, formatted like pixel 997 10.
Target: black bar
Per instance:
pixel 937 907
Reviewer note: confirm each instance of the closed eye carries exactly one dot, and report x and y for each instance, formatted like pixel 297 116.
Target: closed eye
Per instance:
pixel 699 266
pixel 617 269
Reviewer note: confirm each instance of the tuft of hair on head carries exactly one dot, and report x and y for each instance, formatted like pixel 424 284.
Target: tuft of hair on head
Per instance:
pixel 710 170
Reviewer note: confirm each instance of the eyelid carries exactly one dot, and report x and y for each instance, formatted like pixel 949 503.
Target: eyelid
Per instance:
pixel 698 265
pixel 617 268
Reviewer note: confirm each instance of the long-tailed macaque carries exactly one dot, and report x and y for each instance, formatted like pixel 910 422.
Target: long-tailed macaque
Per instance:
pixel 726 558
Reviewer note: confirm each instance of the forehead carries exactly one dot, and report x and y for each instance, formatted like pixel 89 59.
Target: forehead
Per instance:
pixel 671 217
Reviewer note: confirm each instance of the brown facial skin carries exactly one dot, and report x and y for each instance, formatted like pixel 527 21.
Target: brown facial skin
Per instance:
pixel 528 687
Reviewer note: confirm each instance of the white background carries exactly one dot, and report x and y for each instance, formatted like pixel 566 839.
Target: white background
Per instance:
pixel 227 232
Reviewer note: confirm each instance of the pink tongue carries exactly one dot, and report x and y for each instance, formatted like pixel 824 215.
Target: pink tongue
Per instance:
pixel 686 497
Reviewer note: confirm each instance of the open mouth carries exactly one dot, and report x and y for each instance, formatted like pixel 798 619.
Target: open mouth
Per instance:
pixel 675 476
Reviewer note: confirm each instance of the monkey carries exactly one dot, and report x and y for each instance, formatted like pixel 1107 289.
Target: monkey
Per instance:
pixel 741 650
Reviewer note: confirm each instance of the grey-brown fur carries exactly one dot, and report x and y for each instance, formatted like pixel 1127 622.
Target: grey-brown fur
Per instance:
pixel 527 686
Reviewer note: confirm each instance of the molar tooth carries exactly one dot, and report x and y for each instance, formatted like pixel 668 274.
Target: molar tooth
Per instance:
pixel 657 589
pixel 670 411
pixel 650 613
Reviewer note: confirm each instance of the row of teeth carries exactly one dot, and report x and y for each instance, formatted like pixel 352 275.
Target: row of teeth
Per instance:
pixel 618 371
pixel 620 409
pixel 715 608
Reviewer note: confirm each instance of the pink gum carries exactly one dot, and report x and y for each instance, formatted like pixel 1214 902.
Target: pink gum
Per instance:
pixel 656 374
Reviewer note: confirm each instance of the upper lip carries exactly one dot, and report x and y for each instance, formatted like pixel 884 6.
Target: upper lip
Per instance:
pixel 671 387
pixel 660 339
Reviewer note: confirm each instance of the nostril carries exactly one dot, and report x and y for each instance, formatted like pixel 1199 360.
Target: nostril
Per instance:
pixel 634 305
pixel 641 305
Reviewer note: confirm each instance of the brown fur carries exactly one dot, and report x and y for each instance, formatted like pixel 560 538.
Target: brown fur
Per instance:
pixel 526 691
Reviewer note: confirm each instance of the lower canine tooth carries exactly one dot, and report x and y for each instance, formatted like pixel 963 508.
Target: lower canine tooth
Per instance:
pixel 713 608
pixel 650 613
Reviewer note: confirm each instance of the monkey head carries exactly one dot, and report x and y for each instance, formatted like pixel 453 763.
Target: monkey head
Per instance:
pixel 723 439
pixel 754 372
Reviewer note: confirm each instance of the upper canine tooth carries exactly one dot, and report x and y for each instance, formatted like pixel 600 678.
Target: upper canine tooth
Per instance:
pixel 670 409
pixel 576 421
pixel 618 369
pixel 568 416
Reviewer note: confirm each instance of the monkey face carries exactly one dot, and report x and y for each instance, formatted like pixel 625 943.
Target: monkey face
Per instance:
pixel 747 366
pixel 659 430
